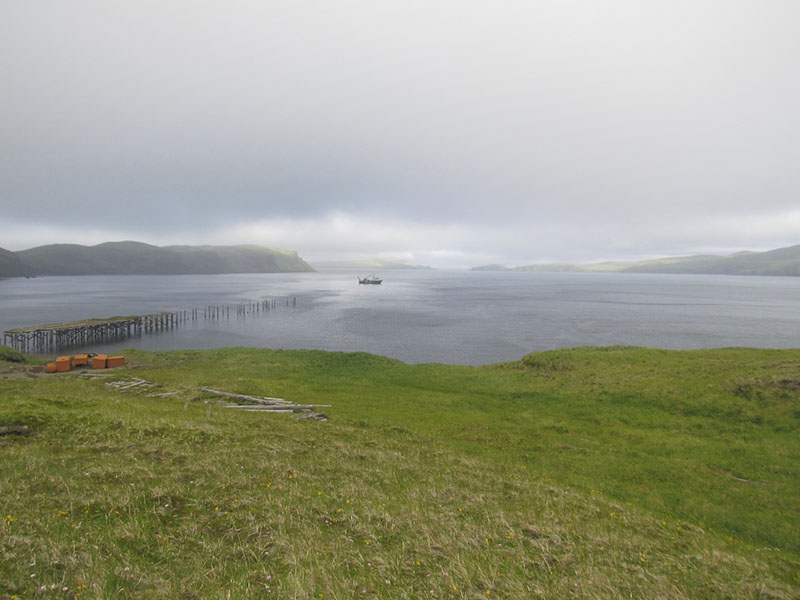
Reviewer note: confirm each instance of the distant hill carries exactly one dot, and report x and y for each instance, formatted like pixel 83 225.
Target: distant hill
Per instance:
pixel 366 264
pixel 782 262
pixel 492 267
pixel 10 264
pixel 560 267
pixel 136 258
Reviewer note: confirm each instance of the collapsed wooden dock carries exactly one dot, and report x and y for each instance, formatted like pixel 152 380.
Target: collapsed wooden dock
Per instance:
pixel 43 339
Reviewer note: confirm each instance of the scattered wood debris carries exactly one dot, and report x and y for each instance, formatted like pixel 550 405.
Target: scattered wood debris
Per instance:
pixel 268 404
pixel 137 385
pixel 730 475
pixel 128 384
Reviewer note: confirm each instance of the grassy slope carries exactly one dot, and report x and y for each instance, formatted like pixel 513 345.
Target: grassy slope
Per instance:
pixel 782 261
pixel 137 258
pixel 584 472
pixel 779 262
pixel 10 264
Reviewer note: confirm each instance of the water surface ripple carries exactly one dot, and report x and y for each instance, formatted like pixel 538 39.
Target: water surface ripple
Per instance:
pixel 468 318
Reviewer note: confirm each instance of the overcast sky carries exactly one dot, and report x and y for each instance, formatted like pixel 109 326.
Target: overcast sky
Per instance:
pixel 450 133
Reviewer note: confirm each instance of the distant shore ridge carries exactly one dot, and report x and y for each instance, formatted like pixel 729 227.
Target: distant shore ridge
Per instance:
pixel 780 262
pixel 137 258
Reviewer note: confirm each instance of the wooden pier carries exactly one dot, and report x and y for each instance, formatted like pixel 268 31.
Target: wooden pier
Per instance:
pixel 43 339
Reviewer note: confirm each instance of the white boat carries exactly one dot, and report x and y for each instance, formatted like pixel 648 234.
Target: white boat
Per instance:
pixel 370 279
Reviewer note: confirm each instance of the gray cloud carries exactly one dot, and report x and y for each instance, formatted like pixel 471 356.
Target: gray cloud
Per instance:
pixel 578 129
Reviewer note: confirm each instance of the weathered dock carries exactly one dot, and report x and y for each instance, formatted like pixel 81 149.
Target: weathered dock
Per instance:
pixel 43 339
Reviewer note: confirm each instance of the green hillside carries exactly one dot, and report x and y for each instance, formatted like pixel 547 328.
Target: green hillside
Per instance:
pixel 10 264
pixel 780 262
pixel 583 473
pixel 783 261
pixel 136 258
pixel 491 267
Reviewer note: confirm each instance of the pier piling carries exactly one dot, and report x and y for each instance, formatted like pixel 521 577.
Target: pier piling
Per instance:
pixel 44 339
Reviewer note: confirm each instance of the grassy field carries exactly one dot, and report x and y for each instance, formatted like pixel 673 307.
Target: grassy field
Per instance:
pixel 588 473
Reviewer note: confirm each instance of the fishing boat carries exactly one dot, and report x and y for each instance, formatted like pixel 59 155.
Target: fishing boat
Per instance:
pixel 370 279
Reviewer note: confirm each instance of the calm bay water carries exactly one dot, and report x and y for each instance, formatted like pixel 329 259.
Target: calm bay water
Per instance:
pixel 431 316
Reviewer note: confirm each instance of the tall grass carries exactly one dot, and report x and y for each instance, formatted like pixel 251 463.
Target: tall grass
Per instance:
pixel 589 473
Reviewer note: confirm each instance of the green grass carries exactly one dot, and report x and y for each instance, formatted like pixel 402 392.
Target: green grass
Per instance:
pixel 10 355
pixel 590 472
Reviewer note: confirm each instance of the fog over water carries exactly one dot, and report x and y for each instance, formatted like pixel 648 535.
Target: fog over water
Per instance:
pixel 470 318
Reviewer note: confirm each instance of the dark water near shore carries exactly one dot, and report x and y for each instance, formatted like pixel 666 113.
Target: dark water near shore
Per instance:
pixel 431 316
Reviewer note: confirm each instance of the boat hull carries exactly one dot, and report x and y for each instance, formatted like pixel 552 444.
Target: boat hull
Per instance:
pixel 371 280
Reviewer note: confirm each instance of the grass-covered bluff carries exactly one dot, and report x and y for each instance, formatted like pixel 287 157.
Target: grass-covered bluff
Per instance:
pixel 591 472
